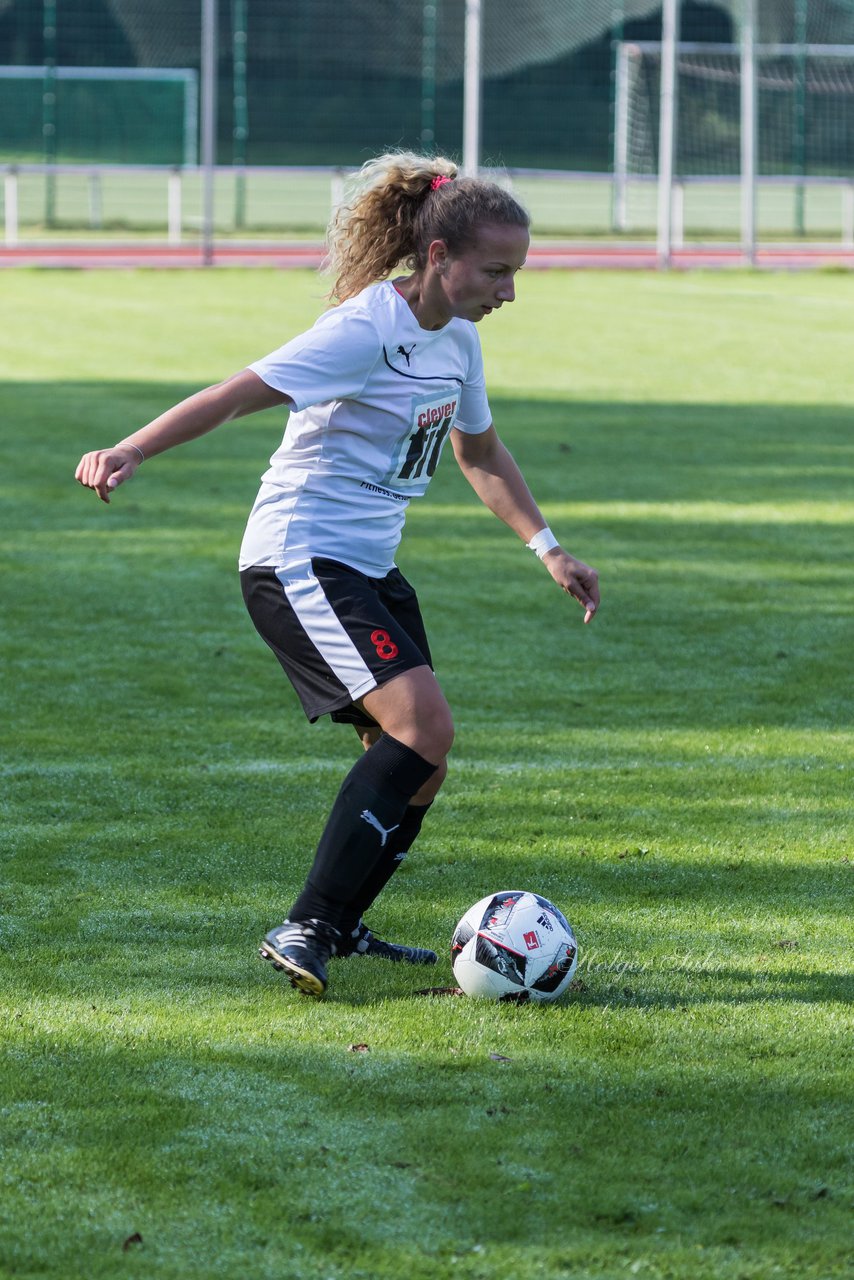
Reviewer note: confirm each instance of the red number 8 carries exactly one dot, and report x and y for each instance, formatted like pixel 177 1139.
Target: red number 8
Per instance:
pixel 384 645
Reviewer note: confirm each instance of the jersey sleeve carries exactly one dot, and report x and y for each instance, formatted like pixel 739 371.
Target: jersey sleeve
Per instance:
pixel 474 416
pixel 331 361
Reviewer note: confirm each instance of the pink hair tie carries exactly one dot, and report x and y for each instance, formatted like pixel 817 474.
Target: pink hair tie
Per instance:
pixel 438 181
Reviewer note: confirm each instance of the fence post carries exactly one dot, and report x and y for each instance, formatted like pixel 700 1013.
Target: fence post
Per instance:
pixel 174 200
pixel 96 202
pixel 10 197
pixel 239 15
pixel 621 137
pixel 749 135
pixel 336 189
pixel 428 75
pixel 799 143
pixel 49 109
pixel 667 129
pixel 472 90
pixel 678 214
pixel 848 216
pixel 209 70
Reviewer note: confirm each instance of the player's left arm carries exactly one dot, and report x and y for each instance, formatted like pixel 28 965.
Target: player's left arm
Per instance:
pixel 494 475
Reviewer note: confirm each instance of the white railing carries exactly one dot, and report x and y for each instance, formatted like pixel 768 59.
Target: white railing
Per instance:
pixel 152 201
pixel 172 199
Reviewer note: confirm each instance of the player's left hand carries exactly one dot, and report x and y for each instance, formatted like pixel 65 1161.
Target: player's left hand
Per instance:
pixel 576 578
pixel 105 469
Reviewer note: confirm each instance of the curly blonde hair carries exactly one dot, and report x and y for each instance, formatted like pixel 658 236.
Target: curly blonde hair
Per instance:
pixel 394 209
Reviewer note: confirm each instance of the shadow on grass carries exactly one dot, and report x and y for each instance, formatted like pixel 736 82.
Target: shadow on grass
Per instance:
pixel 720 532
pixel 259 1146
pixel 645 987
pixel 224 978
pixel 595 451
pixel 620 456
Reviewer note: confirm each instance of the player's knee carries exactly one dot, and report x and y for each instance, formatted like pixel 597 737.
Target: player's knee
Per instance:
pixel 427 794
pixel 430 733
pixel 436 730
pixel 440 775
pixel 413 709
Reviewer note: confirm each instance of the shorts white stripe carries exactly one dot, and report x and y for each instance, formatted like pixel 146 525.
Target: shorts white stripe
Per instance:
pixel 324 629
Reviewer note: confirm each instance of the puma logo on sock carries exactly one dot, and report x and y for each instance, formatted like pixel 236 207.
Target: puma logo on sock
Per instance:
pixel 374 822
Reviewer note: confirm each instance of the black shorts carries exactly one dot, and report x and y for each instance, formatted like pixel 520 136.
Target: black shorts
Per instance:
pixel 337 633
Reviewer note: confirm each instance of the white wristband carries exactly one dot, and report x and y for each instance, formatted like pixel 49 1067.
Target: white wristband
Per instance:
pixel 542 542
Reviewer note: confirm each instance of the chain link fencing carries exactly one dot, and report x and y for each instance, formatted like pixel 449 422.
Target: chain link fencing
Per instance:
pixel 306 89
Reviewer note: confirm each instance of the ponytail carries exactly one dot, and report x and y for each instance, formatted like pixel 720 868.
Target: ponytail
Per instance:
pixel 396 206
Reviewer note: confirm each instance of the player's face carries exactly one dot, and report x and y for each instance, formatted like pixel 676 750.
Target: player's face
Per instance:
pixel 481 279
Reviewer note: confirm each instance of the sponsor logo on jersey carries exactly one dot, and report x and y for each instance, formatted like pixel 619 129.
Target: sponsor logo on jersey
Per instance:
pixel 386 493
pixel 418 451
pixel 431 416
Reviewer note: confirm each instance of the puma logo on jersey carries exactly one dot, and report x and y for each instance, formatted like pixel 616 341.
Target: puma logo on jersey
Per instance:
pixel 401 351
pixel 374 822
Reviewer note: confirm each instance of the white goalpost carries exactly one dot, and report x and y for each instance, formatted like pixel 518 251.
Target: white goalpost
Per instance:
pixel 710 125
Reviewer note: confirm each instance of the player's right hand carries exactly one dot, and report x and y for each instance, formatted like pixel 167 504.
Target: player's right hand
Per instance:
pixel 105 469
pixel 577 579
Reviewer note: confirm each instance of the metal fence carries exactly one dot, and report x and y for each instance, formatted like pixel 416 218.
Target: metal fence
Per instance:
pixel 262 205
pixel 105 105
pixel 319 82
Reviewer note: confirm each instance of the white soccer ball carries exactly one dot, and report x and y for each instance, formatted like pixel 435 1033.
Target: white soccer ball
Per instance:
pixel 514 946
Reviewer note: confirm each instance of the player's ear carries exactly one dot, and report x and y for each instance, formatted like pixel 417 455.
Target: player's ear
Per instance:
pixel 437 255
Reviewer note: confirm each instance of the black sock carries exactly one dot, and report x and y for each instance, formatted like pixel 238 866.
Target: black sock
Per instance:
pixel 367 812
pixel 388 862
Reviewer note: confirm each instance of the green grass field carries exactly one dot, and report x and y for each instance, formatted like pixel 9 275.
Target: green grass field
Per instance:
pixel 677 777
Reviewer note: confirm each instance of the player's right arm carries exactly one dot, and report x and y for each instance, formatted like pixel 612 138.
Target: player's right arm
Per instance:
pixel 104 469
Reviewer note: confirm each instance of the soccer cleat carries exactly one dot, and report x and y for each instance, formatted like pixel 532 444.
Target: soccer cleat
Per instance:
pixel 302 949
pixel 363 943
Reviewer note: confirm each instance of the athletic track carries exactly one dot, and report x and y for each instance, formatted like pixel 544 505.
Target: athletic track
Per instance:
pixel 284 255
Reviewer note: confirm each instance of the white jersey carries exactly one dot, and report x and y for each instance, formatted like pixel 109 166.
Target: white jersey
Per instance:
pixel 375 397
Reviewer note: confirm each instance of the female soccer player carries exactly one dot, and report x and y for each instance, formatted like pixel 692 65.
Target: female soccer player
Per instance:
pixel 374 390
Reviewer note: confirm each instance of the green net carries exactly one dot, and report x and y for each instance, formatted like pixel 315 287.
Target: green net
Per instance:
pixel 317 83
pixel 125 115
pixel 805 102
